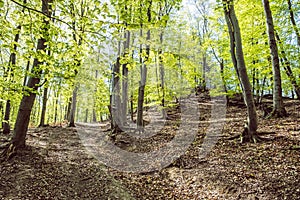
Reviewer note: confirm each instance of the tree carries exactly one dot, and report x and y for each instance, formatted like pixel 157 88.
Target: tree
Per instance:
pixel 293 21
pixel 249 133
pixel 23 117
pixel 278 107
pixel 139 120
pixel 287 67
pixel 77 61
pixel 10 70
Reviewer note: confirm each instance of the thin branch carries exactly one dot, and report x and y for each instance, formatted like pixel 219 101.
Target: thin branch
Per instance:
pixel 57 19
pixel 40 12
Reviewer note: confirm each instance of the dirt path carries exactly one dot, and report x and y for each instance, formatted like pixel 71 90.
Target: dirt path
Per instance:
pixel 56 165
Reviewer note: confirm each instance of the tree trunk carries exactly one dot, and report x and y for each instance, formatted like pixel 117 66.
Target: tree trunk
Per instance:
pixel 94 119
pixel 77 64
pixel 44 107
pixel 125 78
pixel 11 64
pixel 115 106
pixel 249 133
pixel 292 18
pixel 56 105
pixel 68 109
pixel 1 112
pixel 204 66
pixel 73 107
pixel 278 107
pixel 86 115
pixel 23 117
pixel 232 40
pixel 287 67
pixel 6 124
pixel 223 79
pixel 141 94
pixel 162 76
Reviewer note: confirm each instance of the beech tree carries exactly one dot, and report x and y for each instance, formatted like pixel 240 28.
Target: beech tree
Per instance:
pixel 278 107
pixel 143 67
pixel 23 117
pixel 249 133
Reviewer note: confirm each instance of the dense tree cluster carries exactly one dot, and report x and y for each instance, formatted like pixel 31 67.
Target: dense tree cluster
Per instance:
pixel 80 60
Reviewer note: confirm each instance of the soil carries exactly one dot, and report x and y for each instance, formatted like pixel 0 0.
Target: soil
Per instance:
pixel 57 165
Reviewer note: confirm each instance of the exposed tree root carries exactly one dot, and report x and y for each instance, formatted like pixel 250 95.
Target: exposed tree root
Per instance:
pixel 277 114
pixel 251 139
pixel 246 137
pixel 8 152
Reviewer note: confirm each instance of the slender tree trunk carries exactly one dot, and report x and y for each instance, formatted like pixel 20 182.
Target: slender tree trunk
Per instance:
pixel 44 107
pixel 141 93
pixel 162 76
pixel 204 66
pixel 94 116
pixel 77 64
pixel 26 71
pixel 94 119
pixel 221 63
pixel 6 124
pixel 1 112
pixel 223 79
pixel 73 107
pixel 257 86
pixel 292 18
pixel 86 115
pixel 278 107
pixel 115 107
pixel 287 67
pixel 23 117
pixel 232 41
pixel 125 78
pixel 57 95
pixel 68 109
pixel 12 63
pixel 249 134
pixel 262 90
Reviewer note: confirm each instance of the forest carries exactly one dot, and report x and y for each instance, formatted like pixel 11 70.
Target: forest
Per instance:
pixel 148 99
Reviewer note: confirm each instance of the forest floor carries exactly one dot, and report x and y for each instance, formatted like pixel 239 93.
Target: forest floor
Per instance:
pixel 57 164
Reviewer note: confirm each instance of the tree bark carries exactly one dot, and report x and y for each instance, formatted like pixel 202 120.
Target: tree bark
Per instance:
pixel 115 105
pixel 11 65
pixel 141 93
pixel 44 107
pixel 77 63
pixel 249 133
pixel 278 107
pixel 287 67
pixel 57 94
pixel 125 78
pixel 73 107
pixel 162 76
pixel 23 117
pixel 292 18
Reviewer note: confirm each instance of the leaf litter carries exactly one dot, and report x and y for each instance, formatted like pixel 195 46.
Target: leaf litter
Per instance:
pixel 55 164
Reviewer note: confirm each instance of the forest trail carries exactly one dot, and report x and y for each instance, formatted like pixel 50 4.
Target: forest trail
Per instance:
pixel 56 164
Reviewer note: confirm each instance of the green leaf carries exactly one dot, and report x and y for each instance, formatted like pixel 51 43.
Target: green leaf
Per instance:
pixel 1 3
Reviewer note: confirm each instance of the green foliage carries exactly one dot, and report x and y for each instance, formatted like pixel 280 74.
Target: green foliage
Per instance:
pixel 83 38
